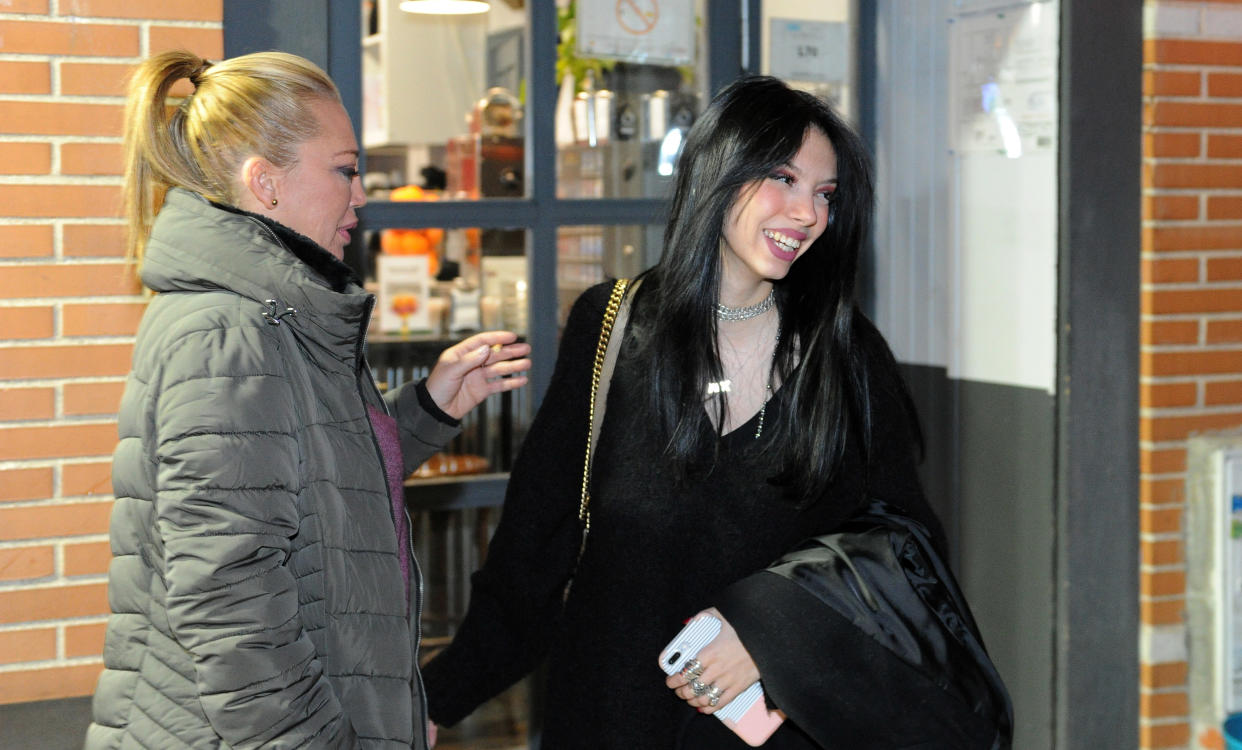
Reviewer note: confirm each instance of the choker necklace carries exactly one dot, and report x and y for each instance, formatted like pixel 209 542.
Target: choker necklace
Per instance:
pixel 724 312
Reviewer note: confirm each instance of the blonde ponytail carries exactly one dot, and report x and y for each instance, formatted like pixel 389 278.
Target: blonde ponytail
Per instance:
pixel 252 105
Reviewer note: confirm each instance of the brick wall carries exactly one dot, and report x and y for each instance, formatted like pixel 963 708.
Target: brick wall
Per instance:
pixel 68 311
pixel 1191 371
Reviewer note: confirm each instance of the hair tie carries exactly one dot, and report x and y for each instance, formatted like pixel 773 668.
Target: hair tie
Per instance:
pixel 196 76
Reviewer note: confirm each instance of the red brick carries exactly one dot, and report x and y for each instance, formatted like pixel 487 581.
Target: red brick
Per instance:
pixel 25 78
pixel 27 645
pixel 25 158
pixel 87 399
pixel 93 241
pixel 1225 85
pixel 1196 175
pixel 1200 300
pixel 168 10
pixel 1155 736
pixel 56 441
pixel 1181 52
pixel 1224 331
pixel 91 159
pixel 1170 271
pixel 1179 114
pixel 1162 492
pixel 87 478
pixel 26 484
pixel 1224 269
pixel 208 43
pixel 88 558
pixel 1162 461
pixel 59 118
pixel 1157 332
pixel 1165 429
pixel 1166 395
pixel 57 201
pixel 84 640
pixel 1223 392
pixel 26 241
pixel 69 38
pixel 79 361
pixel 68 280
pixel 1162 611
pixel 1191 362
pixel 1165 674
pixel 1198 237
pixel 27 563
pixel 50 683
pixel 1171 207
pixel 33 7
pixel 1220 207
pixel 40 522
pixel 53 603
pixel 35 322
pixel 1172 83
pixel 1224 146
pixel 103 319
pixel 1172 145
pixel 1163 552
pixel 1161 520
pixel 27 403
pixel 94 78
pixel 1164 705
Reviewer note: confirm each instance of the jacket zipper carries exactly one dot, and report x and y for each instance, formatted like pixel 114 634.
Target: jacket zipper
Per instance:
pixel 416 570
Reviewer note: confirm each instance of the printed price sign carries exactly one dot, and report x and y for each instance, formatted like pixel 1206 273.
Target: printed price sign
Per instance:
pixel 811 51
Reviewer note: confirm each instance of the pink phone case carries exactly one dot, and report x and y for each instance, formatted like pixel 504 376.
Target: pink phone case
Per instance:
pixel 747 714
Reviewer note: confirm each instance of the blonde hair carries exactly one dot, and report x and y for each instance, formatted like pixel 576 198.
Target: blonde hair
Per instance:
pixel 256 104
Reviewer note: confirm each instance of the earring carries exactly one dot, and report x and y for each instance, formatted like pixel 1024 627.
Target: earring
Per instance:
pixel 273 203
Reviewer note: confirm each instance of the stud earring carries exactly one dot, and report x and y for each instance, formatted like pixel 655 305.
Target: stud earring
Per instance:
pixel 273 203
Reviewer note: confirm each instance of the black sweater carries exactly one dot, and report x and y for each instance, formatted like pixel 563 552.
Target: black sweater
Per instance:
pixel 658 552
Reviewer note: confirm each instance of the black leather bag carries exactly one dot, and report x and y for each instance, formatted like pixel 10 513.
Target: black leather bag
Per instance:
pixel 865 641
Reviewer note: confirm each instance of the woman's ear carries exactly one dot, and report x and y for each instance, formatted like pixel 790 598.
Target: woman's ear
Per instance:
pixel 260 185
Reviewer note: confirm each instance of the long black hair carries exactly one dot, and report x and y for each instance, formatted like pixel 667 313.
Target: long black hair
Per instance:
pixel 751 128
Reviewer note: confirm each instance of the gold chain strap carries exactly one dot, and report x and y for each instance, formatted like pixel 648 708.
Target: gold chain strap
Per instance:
pixel 601 351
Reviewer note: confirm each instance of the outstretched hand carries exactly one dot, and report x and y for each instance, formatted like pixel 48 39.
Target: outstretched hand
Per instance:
pixel 471 370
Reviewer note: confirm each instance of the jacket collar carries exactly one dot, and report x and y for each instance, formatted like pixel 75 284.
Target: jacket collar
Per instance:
pixel 197 245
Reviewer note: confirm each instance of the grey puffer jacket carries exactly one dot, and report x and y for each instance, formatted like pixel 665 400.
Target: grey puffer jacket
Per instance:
pixel 256 588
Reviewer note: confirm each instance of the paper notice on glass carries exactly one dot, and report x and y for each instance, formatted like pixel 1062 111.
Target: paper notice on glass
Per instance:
pixel 646 31
pixel 810 51
pixel 1004 80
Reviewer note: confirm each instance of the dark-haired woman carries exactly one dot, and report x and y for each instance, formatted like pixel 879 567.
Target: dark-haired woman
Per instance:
pixel 752 406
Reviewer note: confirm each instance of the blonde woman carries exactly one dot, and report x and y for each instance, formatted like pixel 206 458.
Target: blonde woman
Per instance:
pixel 263 587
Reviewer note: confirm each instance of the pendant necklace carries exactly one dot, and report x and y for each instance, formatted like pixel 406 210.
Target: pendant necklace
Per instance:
pixel 768 386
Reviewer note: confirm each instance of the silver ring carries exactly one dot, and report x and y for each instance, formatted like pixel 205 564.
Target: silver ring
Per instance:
pixel 713 695
pixel 698 687
pixel 692 669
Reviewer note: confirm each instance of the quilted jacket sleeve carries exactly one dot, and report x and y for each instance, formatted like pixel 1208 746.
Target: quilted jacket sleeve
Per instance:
pixel 227 480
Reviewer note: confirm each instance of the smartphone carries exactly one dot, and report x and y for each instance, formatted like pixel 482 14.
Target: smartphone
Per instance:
pixel 747 714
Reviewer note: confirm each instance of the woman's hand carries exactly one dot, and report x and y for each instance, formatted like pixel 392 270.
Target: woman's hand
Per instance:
pixel 471 370
pixel 727 667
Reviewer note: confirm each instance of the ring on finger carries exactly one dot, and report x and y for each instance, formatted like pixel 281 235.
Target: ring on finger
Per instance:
pixel 692 669
pixel 698 687
pixel 713 695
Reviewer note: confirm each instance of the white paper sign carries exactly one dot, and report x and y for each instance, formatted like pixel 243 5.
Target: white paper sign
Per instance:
pixel 812 51
pixel 647 31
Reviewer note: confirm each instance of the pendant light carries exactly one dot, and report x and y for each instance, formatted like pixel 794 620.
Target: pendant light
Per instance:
pixel 445 7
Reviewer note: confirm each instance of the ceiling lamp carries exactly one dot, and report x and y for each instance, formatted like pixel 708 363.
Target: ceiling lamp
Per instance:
pixel 444 7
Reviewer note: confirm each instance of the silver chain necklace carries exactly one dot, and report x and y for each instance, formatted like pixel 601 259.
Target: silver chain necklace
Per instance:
pixel 767 396
pixel 724 312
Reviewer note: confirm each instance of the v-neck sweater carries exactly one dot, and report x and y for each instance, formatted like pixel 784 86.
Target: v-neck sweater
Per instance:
pixel 658 552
